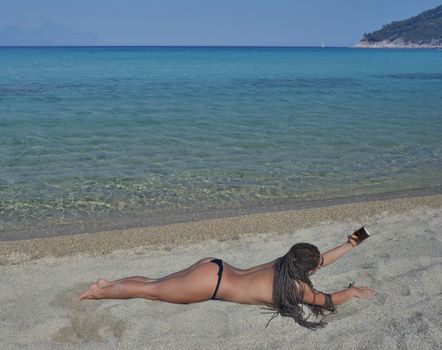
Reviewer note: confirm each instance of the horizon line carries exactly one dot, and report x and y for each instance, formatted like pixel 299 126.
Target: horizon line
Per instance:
pixel 195 46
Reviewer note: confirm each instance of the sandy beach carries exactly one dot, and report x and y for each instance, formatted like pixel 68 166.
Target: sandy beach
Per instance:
pixel 401 261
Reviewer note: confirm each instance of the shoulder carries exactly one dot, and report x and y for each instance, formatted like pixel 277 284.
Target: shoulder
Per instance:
pixel 305 292
pixel 309 295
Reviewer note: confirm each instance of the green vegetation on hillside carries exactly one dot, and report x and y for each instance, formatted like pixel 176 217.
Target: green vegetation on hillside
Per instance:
pixel 423 28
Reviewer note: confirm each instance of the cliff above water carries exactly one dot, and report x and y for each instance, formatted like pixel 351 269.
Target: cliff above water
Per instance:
pixel 421 31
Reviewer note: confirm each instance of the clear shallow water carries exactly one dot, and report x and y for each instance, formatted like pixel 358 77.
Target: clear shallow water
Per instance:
pixel 87 133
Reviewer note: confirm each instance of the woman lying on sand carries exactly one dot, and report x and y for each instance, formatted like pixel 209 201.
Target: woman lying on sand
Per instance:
pixel 283 285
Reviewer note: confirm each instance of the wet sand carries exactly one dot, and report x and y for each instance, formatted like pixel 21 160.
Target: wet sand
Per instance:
pixel 401 261
pixel 230 228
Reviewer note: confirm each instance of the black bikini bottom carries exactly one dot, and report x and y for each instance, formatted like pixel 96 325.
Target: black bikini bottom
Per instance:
pixel 219 262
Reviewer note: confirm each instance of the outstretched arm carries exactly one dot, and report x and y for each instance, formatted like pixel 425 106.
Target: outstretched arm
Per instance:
pixel 318 298
pixel 334 254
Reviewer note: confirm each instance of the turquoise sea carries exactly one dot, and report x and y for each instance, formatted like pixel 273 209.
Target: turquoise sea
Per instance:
pixel 107 137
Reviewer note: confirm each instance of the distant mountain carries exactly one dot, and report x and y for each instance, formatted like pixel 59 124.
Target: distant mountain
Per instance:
pixel 42 31
pixel 421 31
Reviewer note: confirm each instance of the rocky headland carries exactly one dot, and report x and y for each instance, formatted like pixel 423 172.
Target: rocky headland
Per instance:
pixel 421 31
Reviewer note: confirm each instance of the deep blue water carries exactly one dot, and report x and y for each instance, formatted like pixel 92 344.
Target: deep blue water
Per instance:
pixel 118 132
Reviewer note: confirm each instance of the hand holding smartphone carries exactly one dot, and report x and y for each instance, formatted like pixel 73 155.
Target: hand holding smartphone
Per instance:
pixel 358 236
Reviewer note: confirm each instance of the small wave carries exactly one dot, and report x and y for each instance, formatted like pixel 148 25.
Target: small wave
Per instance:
pixel 412 76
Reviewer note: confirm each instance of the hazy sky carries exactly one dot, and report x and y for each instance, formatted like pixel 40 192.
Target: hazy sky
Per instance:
pixel 221 22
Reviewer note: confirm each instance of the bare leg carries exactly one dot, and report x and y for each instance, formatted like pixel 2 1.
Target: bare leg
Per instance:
pixel 193 286
pixel 104 283
pixel 116 290
pixel 186 270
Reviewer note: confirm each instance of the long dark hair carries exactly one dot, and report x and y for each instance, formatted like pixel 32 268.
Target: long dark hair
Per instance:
pixel 290 269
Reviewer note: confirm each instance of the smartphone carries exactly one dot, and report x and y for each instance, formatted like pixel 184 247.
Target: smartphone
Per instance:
pixel 362 234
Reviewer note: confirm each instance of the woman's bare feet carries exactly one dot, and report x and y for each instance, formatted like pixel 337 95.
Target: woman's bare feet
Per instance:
pixel 104 288
pixel 93 292
pixel 103 283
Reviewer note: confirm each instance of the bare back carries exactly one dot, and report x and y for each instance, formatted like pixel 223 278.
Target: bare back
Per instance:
pixel 247 286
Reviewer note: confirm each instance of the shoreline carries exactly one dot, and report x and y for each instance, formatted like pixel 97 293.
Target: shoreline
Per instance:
pixel 161 217
pixel 396 44
pixel 170 236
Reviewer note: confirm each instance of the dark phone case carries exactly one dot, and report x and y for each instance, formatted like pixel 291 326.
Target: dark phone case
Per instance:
pixel 362 234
